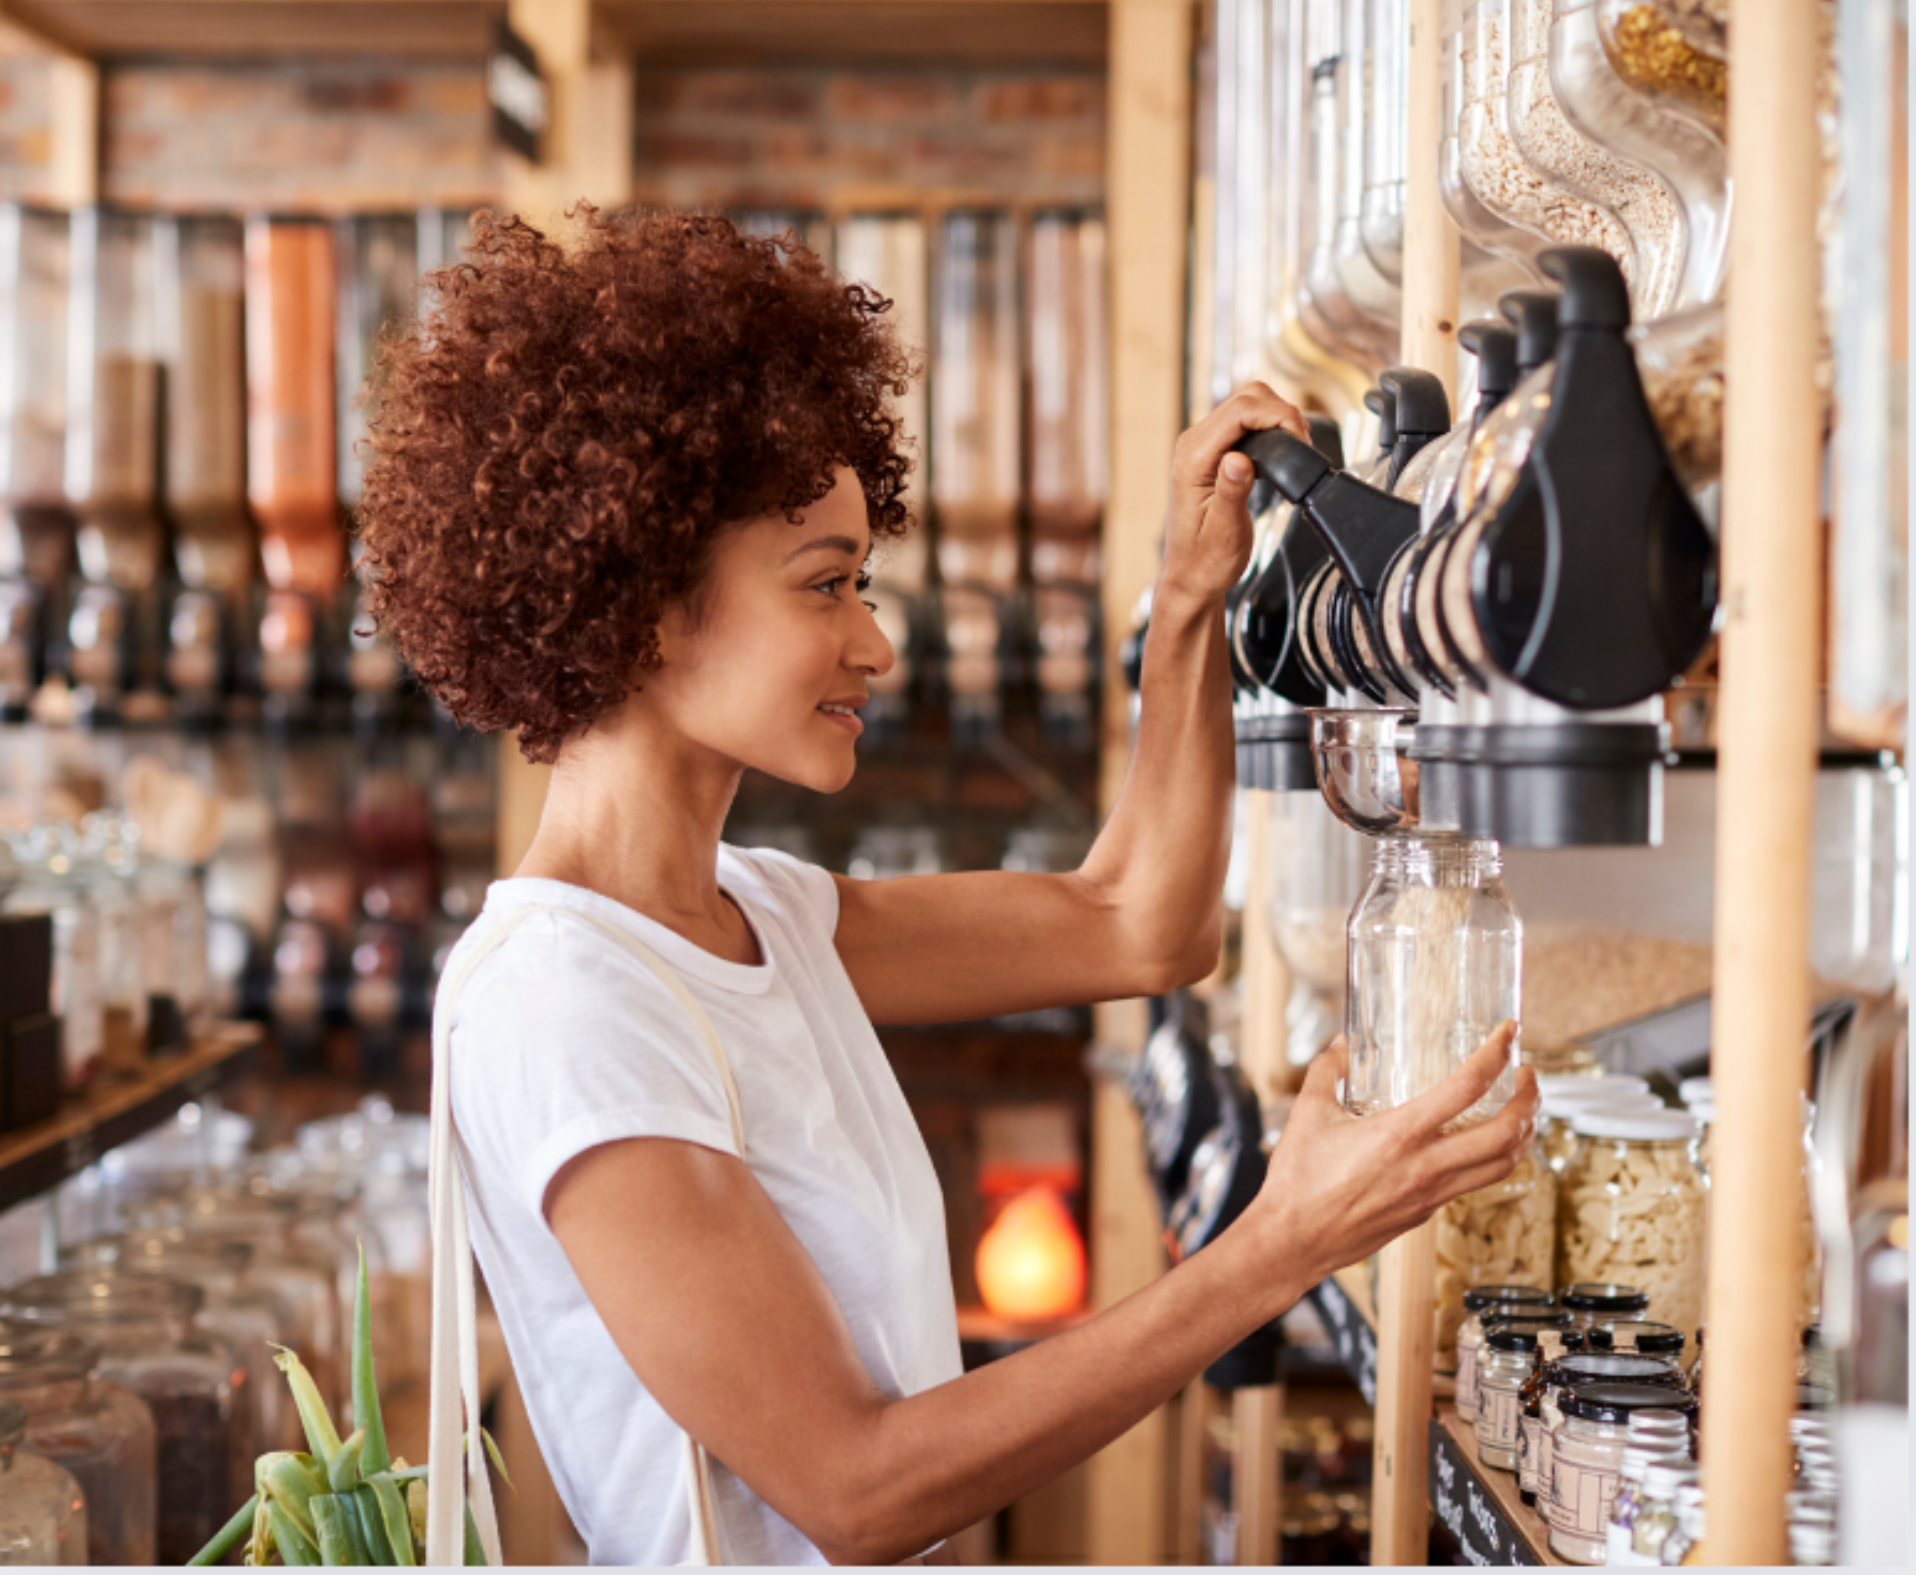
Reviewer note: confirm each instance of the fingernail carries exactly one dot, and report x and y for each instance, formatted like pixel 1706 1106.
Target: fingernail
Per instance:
pixel 1237 467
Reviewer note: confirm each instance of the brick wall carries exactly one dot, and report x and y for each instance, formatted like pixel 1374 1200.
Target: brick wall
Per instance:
pixel 821 138
pixel 365 135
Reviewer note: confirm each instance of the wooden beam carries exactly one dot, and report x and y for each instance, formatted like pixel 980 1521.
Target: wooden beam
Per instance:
pixel 1766 763
pixel 588 154
pixel 73 110
pixel 1148 203
pixel 1263 1042
pixel 1407 1285
pixel 1256 1475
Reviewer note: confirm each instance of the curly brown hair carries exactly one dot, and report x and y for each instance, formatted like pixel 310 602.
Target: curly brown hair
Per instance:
pixel 556 447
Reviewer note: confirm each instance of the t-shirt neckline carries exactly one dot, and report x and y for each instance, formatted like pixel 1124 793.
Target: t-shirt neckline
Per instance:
pixel 689 959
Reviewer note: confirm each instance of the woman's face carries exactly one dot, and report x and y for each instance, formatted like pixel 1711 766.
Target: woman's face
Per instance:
pixel 770 669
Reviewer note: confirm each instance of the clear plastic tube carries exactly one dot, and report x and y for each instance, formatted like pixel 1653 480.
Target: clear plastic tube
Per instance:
pixel 1373 293
pixel 1066 417
pixel 1495 168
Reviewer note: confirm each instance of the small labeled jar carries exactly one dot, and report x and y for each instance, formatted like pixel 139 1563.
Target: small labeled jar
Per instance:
pixel 98 1430
pixel 1510 1356
pixel 1627 1335
pixel 1594 1301
pixel 1564 1374
pixel 1655 1521
pixel 149 1341
pixel 42 1511
pixel 1481 1303
pixel 1587 1464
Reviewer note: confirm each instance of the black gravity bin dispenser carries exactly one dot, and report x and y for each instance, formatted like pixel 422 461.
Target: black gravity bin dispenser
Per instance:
pixel 1575 585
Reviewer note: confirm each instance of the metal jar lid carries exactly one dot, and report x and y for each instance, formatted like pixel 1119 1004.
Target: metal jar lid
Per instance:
pixel 1604 1297
pixel 1616 1402
pixel 1596 1367
pixel 1480 1297
pixel 1653 1339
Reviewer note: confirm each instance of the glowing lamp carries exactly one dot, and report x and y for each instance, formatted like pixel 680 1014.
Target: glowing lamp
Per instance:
pixel 1031 1260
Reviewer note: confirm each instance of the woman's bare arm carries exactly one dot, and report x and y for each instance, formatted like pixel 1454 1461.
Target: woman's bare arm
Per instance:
pixel 730 1327
pixel 1141 916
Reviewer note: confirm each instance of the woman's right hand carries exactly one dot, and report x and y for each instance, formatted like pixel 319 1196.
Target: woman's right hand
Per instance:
pixel 1340 1186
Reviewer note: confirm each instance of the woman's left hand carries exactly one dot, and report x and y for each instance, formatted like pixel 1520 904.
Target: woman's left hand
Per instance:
pixel 1208 538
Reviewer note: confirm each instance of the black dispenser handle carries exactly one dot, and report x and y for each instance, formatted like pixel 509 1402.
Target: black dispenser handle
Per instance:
pixel 1327 437
pixel 1594 294
pixel 1362 527
pixel 1533 313
pixel 1423 408
pixel 1382 403
pixel 1495 348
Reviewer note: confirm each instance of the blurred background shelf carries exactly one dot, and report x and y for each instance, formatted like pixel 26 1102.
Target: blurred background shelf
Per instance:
pixel 114 1112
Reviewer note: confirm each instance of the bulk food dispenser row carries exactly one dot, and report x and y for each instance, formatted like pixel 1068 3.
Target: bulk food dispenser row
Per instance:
pixel 1533 725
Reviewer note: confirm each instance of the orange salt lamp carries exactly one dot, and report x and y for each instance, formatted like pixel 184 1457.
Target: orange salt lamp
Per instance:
pixel 1031 1260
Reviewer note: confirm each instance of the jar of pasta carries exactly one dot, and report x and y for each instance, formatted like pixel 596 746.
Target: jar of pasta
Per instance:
pixel 1502 1234
pixel 1561 1099
pixel 1631 1211
pixel 1587 1462
pixel 1481 1303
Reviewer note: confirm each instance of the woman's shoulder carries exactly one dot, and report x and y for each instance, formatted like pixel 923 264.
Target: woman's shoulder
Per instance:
pixel 780 884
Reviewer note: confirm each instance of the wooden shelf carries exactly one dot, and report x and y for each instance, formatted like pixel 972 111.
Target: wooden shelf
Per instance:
pixel 1480 1508
pixel 39 1157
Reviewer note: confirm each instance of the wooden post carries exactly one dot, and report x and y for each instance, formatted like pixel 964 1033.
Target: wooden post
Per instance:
pixel 1259 1415
pixel 1194 1409
pixel 72 177
pixel 1401 1492
pixel 1766 761
pixel 1148 202
pixel 1264 1043
pixel 588 154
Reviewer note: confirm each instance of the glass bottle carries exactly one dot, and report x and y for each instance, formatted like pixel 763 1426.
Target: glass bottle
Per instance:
pixel 1587 1462
pixel 1632 1211
pixel 1435 960
pixel 150 1341
pixel 42 1512
pixel 1656 1518
pixel 96 1429
pixel 108 862
pixel 1481 1304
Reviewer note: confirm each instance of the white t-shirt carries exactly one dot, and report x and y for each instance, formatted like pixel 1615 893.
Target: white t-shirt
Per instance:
pixel 562 1041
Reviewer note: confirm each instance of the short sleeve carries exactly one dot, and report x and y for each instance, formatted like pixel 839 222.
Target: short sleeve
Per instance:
pixel 563 1041
pixel 778 881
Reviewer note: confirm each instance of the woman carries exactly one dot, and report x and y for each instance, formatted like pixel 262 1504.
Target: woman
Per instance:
pixel 622 497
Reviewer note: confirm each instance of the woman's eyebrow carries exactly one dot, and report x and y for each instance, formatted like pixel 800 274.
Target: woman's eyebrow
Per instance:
pixel 826 544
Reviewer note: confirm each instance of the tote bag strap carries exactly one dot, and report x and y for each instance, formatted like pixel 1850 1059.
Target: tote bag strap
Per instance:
pixel 454 1370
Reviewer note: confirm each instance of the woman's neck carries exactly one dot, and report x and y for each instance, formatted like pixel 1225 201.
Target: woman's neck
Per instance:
pixel 638 821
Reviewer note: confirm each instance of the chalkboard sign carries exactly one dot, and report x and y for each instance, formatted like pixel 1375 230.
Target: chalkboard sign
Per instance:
pixel 517 89
pixel 1466 1509
pixel 1354 1339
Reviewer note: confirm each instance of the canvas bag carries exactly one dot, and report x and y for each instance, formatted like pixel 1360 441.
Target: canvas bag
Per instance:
pixel 455 1341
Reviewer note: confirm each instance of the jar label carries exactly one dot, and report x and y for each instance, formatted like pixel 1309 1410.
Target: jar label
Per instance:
pixel 1581 1498
pixel 1467 1397
pixel 1531 1431
pixel 1502 1412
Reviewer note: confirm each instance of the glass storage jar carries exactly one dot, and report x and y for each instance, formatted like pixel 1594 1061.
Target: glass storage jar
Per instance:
pixel 1592 167
pixel 1435 963
pixel 1632 1212
pixel 305 1283
pixel 1578 1368
pixel 108 862
pixel 247 1316
pixel 1494 167
pixel 189 1379
pixel 1483 1303
pixel 1510 1356
pixel 1588 1301
pixel 51 884
pixel 1587 1461
pixel 1681 361
pixel 1479 226
pixel 96 1429
pixel 1364 71
pixel 42 1511
pixel 1562 1095
pixel 1504 1234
